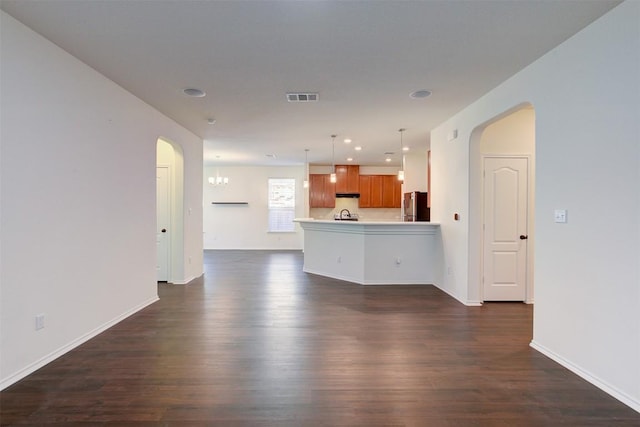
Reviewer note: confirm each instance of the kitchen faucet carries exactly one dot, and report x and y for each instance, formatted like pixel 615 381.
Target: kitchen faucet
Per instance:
pixel 348 213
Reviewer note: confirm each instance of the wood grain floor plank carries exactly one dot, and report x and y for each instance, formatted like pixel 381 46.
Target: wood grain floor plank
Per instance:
pixel 257 342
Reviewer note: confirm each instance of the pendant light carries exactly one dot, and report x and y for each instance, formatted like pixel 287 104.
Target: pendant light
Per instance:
pixel 305 183
pixel 401 171
pixel 333 178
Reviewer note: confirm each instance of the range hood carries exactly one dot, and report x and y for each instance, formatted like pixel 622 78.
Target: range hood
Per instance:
pixel 348 195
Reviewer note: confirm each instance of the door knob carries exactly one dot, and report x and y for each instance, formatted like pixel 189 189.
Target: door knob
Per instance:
pixel 164 230
pixel 523 237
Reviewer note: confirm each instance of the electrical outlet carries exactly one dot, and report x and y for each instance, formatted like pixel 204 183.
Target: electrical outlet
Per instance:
pixel 560 216
pixel 39 322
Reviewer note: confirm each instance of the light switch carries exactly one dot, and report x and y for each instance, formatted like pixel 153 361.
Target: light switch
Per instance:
pixel 560 215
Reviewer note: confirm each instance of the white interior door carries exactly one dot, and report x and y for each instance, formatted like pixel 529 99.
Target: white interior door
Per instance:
pixel 162 222
pixel 505 228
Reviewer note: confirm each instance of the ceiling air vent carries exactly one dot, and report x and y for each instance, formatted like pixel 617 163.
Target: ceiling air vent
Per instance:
pixel 302 97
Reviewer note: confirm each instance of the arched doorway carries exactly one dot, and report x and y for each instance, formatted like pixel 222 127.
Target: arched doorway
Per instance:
pixel 169 210
pixel 501 232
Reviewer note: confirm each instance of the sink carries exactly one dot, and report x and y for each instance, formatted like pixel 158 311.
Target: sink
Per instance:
pixel 345 215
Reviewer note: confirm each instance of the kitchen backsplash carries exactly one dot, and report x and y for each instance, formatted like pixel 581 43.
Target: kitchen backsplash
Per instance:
pixel 370 214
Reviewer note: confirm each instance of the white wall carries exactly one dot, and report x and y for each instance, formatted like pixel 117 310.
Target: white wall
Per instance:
pixel 78 158
pixel 585 94
pixel 245 226
pixel 415 174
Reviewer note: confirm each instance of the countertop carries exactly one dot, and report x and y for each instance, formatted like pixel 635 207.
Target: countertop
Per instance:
pixel 366 222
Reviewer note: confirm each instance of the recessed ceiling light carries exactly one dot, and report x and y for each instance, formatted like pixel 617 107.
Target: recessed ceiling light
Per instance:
pixel 192 91
pixel 388 159
pixel 273 156
pixel 211 121
pixel 347 141
pixel 422 93
pixel 349 159
pixel 405 148
pixel 358 148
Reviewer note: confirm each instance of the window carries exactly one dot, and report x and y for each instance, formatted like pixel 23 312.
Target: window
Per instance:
pixel 282 205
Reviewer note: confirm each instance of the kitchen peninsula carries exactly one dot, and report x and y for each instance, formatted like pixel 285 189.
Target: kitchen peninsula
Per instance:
pixel 372 252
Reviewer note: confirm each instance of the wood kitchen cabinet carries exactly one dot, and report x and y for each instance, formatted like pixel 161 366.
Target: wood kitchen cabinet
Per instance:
pixel 390 191
pixel 376 192
pixel 322 192
pixel 365 191
pixel 347 179
pixel 380 191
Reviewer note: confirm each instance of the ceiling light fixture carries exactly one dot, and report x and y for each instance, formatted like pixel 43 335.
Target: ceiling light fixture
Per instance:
pixel 305 183
pixel 349 159
pixel 358 148
pixel 211 121
pixel 194 92
pixel 333 178
pixel 347 141
pixel 218 180
pixel 401 171
pixel 419 94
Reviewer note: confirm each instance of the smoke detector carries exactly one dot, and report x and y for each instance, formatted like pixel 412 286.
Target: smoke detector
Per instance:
pixel 302 97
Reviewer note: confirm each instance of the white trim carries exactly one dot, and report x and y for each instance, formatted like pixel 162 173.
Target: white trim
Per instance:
pixel 6 382
pixel 467 303
pixel 186 281
pixel 367 282
pixel 604 386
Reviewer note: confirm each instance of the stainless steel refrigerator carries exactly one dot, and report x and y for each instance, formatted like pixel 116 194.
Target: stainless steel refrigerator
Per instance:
pixel 416 206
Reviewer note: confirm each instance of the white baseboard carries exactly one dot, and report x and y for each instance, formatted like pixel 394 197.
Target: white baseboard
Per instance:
pixel 186 281
pixel 13 378
pixel 607 388
pixel 367 282
pixel 467 303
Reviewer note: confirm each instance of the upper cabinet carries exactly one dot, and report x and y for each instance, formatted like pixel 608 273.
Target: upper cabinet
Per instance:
pixel 391 187
pixel 347 179
pixel 380 191
pixel 322 192
pixel 376 191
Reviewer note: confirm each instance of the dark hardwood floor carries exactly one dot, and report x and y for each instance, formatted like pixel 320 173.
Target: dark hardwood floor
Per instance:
pixel 257 342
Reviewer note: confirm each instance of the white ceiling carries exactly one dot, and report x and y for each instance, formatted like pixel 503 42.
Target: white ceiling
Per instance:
pixel 362 57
